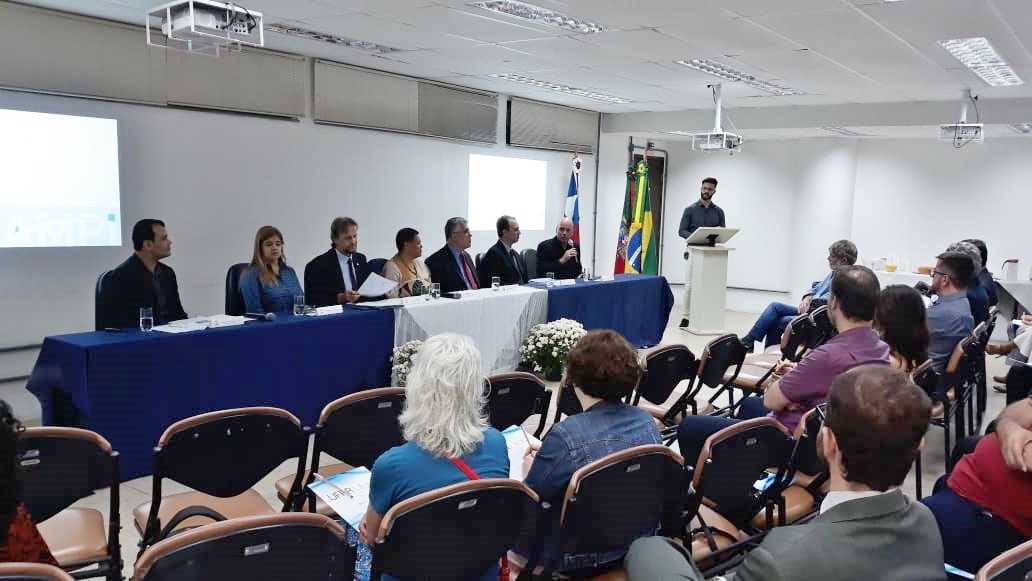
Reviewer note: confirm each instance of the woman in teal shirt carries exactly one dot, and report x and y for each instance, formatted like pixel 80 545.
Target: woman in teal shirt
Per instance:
pixel 269 285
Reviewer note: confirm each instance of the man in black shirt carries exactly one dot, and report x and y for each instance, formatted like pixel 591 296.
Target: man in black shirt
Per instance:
pixel 141 281
pixel 703 213
pixel 560 255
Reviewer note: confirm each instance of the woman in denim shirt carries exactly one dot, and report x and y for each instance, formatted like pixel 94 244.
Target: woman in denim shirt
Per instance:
pixel 601 369
pixel 269 285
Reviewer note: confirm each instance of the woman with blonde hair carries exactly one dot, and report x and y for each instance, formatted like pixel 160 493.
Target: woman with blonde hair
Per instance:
pixel 448 438
pixel 269 285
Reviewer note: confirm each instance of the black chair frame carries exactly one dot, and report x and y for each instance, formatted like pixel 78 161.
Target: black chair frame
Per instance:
pixel 514 397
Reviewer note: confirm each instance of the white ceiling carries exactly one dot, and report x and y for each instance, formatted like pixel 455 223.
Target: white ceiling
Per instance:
pixel 849 54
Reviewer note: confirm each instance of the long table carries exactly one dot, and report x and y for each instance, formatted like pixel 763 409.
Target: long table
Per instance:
pixel 635 305
pixel 129 386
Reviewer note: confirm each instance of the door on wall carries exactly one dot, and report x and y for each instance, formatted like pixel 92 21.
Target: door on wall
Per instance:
pixel 657 166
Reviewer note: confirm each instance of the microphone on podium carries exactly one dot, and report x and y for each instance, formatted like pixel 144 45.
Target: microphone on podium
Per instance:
pixel 261 316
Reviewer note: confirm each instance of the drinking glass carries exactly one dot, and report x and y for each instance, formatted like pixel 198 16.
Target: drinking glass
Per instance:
pixel 435 290
pixel 299 305
pixel 496 283
pixel 146 319
pixel 551 279
pixel 587 274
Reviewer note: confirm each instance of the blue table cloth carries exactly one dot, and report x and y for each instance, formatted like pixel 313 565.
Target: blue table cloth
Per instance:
pixel 129 386
pixel 635 305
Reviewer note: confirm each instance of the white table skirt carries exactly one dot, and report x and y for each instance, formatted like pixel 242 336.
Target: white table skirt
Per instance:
pixel 497 321
pixel 905 278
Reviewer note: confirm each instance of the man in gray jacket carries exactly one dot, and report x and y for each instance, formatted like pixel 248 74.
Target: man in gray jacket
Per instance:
pixel 867 529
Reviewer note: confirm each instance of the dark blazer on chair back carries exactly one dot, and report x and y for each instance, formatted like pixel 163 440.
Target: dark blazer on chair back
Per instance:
pixel 501 264
pixel 324 280
pixel 445 271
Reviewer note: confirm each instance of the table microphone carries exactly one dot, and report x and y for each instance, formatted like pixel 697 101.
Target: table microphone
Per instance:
pixel 261 316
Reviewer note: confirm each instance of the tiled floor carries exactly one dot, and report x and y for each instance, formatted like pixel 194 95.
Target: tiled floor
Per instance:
pixel 137 491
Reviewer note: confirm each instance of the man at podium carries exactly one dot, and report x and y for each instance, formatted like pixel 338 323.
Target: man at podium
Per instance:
pixel 703 213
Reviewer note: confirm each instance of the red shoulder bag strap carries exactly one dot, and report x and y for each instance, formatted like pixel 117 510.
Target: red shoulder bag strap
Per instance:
pixel 465 468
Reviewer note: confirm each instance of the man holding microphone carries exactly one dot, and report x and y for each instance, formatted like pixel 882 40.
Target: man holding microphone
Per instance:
pixel 560 254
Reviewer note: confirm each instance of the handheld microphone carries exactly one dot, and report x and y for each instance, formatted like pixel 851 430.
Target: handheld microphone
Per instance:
pixel 261 316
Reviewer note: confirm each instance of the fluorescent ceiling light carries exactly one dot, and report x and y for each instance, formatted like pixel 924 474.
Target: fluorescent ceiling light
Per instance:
pixel 722 71
pixel 518 78
pixel 979 56
pixel 843 131
pixel 323 37
pixel 1022 128
pixel 679 132
pixel 539 15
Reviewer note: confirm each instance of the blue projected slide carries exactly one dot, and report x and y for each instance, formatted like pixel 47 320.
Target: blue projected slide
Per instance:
pixel 58 180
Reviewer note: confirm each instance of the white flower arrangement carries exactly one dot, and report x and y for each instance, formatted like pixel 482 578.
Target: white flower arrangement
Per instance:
pixel 545 349
pixel 401 361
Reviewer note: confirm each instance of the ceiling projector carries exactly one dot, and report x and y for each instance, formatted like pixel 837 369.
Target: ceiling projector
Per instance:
pixel 961 132
pixel 717 141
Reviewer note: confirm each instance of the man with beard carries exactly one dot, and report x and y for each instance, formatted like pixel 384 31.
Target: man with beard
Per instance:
pixel 703 213
pixel 949 320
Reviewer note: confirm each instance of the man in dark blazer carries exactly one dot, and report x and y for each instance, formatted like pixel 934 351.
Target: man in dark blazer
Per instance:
pixel 335 276
pixel 451 266
pixel 560 255
pixel 867 528
pixel 501 260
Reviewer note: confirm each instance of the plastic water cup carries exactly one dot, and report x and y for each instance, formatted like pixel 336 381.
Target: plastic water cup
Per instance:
pixel 496 283
pixel 435 290
pixel 146 319
pixel 299 305
pixel 551 279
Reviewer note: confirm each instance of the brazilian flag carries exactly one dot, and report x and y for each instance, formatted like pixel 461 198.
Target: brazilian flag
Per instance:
pixel 641 242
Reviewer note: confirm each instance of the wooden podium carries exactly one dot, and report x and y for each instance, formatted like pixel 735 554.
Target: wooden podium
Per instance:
pixel 706 281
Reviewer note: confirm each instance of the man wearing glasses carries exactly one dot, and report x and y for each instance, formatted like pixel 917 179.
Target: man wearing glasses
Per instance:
pixel 949 320
pixel 451 266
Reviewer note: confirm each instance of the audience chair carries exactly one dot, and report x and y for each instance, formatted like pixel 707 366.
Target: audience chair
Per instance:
pixel 567 403
pixel 530 262
pixel 798 334
pixel 98 291
pixel 960 378
pixel 32 572
pixel 925 377
pixel 981 335
pixel 355 429
pixel 665 369
pixel 616 499
pixel 455 532
pixel 723 479
pixel 1012 565
pixel 513 397
pixel 376 265
pixel 234 300
pixel 297 546
pixel 55 468
pixel 220 455
pixel 807 478
pixel 719 365
pixel 825 329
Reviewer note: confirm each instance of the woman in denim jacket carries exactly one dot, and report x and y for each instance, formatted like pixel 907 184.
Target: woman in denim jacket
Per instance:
pixel 602 369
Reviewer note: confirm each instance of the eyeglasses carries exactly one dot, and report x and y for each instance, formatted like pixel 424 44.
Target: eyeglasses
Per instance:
pixel 938 272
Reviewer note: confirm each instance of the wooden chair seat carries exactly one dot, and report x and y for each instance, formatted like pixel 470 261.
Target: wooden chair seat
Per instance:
pixel 798 503
pixel 767 360
pixel 728 533
pixel 749 377
pixel 250 503
pixel 283 486
pixel 774 349
pixel 76 536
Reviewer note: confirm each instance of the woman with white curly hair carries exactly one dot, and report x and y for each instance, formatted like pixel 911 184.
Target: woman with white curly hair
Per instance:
pixel 448 438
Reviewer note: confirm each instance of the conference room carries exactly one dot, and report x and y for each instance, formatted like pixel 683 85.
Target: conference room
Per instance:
pixel 821 120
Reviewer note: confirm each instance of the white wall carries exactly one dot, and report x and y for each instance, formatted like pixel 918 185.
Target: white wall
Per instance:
pixel 214 178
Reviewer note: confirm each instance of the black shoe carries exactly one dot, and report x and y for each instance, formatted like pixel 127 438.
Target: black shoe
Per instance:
pixel 747 343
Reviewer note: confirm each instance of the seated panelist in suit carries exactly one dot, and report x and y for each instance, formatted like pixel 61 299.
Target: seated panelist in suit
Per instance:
pixel 269 285
pixel 560 255
pixel 335 276
pixel 405 268
pixel 452 266
pixel 142 281
pixel 501 260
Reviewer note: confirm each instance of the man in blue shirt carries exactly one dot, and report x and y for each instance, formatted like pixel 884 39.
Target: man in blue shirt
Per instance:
pixel 949 320
pixel 451 266
pixel 776 316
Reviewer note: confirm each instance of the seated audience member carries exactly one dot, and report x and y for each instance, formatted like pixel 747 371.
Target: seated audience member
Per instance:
pixel 405 268
pixel 602 368
pixel 985 506
pixel 867 528
pixel 776 316
pixel 560 255
pixel 501 260
pixel 452 266
pixel 854 298
pixel 335 276
pixel 1018 381
pixel 446 431
pixel 949 320
pixel 142 281
pixel 978 296
pixel 901 321
pixel 269 285
pixel 985 278
pixel 19 539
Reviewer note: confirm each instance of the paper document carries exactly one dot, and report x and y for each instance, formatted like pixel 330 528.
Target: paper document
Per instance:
pixel 517 441
pixel 184 325
pixel 376 285
pixel 346 493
